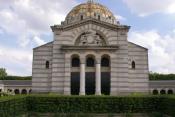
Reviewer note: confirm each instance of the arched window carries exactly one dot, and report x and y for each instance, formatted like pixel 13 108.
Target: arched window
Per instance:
pixel 82 17
pixel 75 62
pixel 170 91
pixel 47 64
pixel 16 91
pixel 133 65
pixel 162 92
pixel 105 62
pixel 0 90
pixel 155 92
pixel 90 62
pixel 99 17
pixel 24 91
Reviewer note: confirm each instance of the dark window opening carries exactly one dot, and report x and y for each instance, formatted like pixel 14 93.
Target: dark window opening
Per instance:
pixel 90 62
pixel 155 92
pixel 82 17
pixel 98 17
pixel 170 91
pixel 133 65
pixel 0 90
pixel 75 62
pixel 105 62
pixel 47 64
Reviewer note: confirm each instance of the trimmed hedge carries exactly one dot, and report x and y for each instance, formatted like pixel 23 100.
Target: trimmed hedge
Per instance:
pixel 87 104
pixel 13 106
pixel 16 78
pixel 157 76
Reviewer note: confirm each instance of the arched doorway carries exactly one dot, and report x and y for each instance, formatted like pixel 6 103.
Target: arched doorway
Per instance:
pixel 16 91
pixel 90 75
pixel 75 75
pixel 155 92
pixel 162 92
pixel 105 75
pixel 24 91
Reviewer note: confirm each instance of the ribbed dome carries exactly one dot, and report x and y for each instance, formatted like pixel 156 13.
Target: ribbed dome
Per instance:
pixel 90 10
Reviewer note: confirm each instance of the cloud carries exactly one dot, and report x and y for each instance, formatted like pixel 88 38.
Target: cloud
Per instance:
pixel 26 19
pixel 161 49
pixel 147 7
pixel 17 61
pixel 119 17
pixel 38 40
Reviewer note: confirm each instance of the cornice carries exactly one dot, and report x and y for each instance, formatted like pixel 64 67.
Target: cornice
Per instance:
pixel 89 21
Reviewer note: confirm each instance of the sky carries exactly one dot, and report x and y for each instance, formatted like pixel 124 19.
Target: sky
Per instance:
pixel 25 24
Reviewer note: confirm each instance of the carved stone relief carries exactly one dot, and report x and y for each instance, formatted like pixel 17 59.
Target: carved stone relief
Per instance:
pixel 90 38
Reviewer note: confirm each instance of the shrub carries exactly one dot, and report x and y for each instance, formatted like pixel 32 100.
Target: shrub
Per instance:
pixel 16 78
pixel 87 104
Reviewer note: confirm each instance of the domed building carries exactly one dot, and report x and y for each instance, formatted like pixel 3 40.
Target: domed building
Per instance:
pixel 90 55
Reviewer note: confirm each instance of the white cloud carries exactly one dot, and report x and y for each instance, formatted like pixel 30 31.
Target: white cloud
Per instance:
pixel 29 18
pixel 161 49
pixel 119 17
pixel 38 40
pixel 147 7
pixel 17 61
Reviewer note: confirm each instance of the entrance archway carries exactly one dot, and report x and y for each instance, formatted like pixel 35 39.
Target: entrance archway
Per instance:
pixel 16 91
pixel 24 91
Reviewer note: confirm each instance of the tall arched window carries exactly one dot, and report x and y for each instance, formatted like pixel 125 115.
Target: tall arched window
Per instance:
pixel 75 62
pixel 105 62
pixel 82 17
pixel 99 17
pixel 47 64
pixel 133 65
pixel 90 62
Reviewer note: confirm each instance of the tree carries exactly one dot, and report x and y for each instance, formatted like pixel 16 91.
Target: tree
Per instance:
pixel 3 73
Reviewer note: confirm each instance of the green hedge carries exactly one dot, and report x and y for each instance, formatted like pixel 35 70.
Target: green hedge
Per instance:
pixel 13 106
pixel 87 104
pixel 16 78
pixel 157 76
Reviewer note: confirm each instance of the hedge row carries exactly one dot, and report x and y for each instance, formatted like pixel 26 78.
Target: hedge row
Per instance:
pixel 16 78
pixel 13 106
pixel 157 76
pixel 90 104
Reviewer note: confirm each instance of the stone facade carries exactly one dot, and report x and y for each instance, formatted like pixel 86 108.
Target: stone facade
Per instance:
pixel 95 38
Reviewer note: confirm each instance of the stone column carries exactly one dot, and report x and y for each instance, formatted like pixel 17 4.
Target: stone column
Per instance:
pixel 98 78
pixel 82 77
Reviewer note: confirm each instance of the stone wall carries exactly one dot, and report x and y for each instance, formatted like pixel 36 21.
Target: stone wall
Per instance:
pixel 41 76
pixel 138 77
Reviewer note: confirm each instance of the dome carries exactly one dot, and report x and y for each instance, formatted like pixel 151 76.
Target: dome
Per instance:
pixel 90 9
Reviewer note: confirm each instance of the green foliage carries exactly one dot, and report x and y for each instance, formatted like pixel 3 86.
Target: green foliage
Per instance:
pixel 16 78
pixel 69 105
pixel 3 73
pixel 157 76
